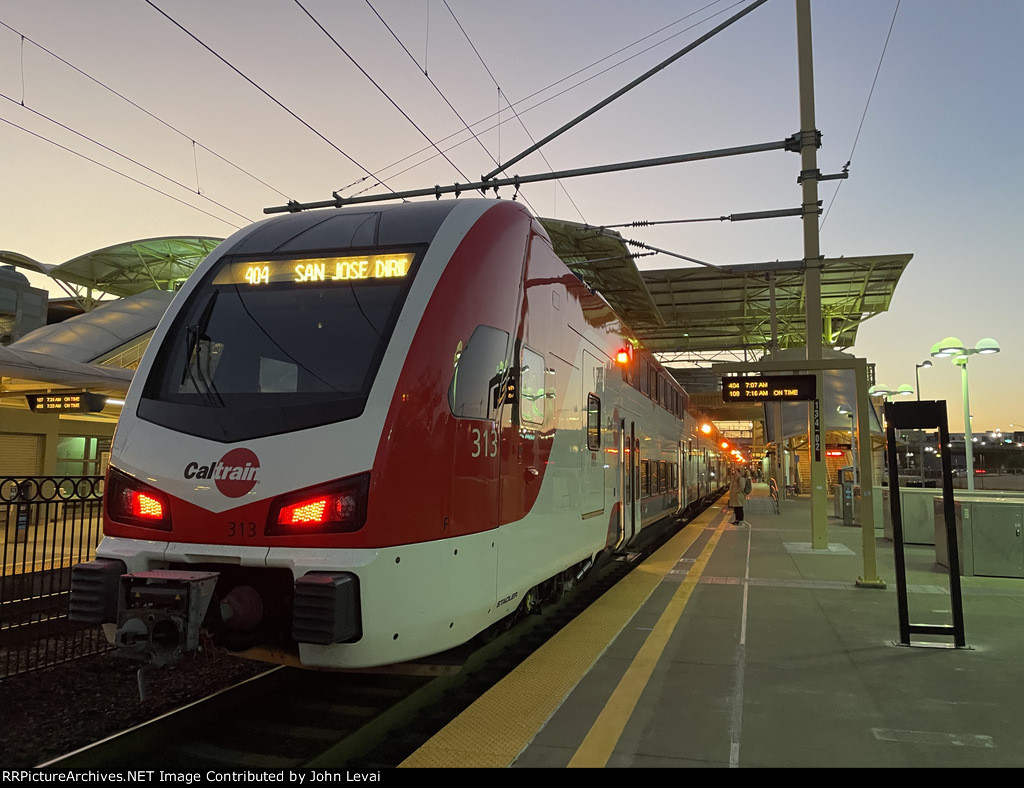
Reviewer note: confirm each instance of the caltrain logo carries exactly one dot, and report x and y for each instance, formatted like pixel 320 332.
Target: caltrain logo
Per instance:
pixel 234 473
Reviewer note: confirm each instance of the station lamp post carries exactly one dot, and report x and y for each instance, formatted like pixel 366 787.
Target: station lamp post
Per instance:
pixel 917 375
pixel 883 391
pixel 952 348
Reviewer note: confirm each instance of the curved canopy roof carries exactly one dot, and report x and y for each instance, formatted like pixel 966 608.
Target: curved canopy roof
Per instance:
pixel 127 268
pixel 699 313
pixel 130 268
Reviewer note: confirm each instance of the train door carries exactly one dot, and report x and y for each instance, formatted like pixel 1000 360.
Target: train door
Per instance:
pixel 630 492
pixel 681 479
pixel 593 471
pixel 476 398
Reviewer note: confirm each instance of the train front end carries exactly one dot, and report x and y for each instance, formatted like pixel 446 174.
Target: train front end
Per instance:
pixel 240 500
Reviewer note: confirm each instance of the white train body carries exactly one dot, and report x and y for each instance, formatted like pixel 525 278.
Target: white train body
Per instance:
pixel 364 436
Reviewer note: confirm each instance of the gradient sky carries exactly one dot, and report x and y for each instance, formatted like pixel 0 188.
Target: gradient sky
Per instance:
pixel 936 162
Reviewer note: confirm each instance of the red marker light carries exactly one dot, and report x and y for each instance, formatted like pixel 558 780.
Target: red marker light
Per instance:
pixel 133 502
pixel 334 507
pixel 622 356
pixel 146 506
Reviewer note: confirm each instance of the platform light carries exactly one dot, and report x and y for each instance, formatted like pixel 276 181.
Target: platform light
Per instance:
pixel 955 350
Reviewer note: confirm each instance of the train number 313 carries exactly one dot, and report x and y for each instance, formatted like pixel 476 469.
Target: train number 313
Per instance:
pixel 485 443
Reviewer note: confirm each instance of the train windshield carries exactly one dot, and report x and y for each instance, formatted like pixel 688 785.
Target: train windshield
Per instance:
pixel 270 346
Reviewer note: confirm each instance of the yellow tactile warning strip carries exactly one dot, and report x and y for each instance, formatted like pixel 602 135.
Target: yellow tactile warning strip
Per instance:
pixel 502 721
pixel 597 747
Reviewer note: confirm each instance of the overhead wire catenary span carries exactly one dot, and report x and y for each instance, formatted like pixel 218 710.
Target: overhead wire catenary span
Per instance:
pixel 572 87
pixel 516 114
pixel 264 91
pixel 134 104
pixel 864 115
pixel 377 85
pixel 433 84
pixel 622 91
pixel 116 172
pixel 128 159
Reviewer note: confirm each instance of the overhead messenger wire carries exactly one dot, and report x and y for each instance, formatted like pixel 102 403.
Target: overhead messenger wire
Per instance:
pixel 382 91
pixel 116 172
pixel 264 91
pixel 126 158
pixel 622 91
pixel 137 106
pixel 570 76
pixel 864 115
pixel 501 95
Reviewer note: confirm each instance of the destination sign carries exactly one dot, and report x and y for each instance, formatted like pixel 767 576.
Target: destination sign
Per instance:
pixel 79 402
pixel 314 270
pixel 769 388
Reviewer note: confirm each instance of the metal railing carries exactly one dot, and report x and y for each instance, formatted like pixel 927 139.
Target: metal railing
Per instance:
pixel 49 523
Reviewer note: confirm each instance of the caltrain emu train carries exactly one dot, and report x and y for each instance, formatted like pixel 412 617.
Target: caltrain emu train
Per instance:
pixel 364 436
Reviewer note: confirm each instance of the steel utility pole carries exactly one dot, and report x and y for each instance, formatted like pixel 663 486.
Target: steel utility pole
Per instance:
pixel 810 140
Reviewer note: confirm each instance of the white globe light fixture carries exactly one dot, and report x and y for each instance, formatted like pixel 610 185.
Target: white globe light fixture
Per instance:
pixel 955 350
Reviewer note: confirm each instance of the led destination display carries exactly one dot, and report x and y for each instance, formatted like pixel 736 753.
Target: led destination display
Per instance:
pixel 769 388
pixel 319 269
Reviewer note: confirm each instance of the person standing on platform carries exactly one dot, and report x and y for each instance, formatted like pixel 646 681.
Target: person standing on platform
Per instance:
pixel 738 487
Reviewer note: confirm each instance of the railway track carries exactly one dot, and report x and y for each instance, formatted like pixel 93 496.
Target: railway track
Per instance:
pixel 292 718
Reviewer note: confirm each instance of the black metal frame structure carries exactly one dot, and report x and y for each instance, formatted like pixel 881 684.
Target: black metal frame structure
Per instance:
pixel 922 416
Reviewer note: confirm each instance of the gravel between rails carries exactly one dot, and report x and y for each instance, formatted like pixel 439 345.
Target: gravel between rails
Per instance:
pixel 50 712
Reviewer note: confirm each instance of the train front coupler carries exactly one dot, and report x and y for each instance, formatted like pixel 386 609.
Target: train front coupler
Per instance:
pixel 160 616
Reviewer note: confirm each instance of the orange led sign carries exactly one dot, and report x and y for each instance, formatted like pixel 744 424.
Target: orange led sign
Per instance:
pixel 769 388
pixel 391 265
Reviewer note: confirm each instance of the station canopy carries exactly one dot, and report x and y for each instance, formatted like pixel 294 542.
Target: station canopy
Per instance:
pixel 124 269
pixel 701 314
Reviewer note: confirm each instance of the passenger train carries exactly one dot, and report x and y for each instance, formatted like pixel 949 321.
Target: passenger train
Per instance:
pixel 364 436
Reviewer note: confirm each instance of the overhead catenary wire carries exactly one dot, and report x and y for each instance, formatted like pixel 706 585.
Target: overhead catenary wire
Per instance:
pixel 383 92
pixel 575 85
pixel 864 114
pixel 137 106
pixel 115 171
pixel 622 91
pixel 127 158
pixel 264 91
pixel 509 105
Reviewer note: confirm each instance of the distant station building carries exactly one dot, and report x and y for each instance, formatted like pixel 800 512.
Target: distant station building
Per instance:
pixel 22 307
pixel 54 351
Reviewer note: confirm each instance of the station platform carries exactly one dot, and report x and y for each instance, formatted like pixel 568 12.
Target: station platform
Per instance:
pixel 741 646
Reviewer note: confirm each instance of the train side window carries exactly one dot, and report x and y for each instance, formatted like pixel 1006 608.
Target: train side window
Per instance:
pixel 645 382
pixel 532 396
pixel 645 478
pixel 479 374
pixel 593 422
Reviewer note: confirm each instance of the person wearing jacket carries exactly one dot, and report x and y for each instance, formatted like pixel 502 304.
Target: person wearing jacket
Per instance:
pixel 737 493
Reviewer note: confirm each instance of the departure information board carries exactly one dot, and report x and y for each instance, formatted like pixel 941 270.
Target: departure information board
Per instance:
pixel 78 402
pixel 769 388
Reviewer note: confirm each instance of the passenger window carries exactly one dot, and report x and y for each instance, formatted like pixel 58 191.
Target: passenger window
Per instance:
pixel 476 387
pixel 532 396
pixel 593 422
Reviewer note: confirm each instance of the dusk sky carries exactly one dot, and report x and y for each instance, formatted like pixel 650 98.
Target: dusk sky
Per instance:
pixel 296 99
